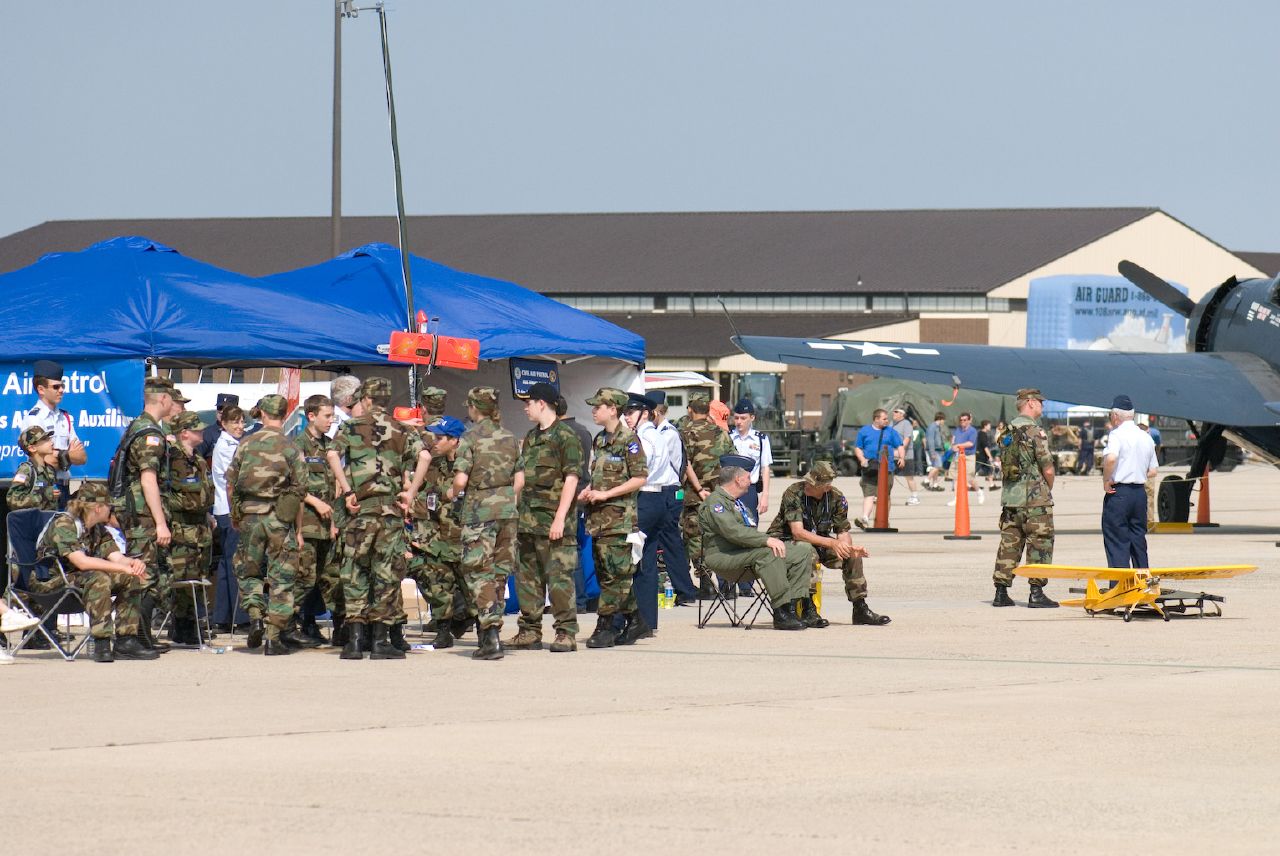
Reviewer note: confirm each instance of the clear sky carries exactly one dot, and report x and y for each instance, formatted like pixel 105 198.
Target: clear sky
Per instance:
pixel 191 108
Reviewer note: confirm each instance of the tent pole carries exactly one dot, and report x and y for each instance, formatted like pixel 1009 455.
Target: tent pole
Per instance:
pixel 335 213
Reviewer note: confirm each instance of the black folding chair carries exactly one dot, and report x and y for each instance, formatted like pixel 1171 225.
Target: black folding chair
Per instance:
pixel 25 528
pixel 758 603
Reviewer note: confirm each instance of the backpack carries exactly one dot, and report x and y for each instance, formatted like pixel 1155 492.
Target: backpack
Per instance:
pixel 119 475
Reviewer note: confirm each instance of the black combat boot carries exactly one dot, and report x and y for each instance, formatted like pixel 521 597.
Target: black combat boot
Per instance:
pixel 784 617
pixel 1040 600
pixel 637 628
pixel 295 638
pixel 131 648
pixel 862 614
pixel 604 635
pixel 338 637
pixel 256 629
pixel 311 630
pixel 102 650
pixel 444 636
pixel 706 588
pixel 277 647
pixel 809 614
pixel 148 612
pixel 383 647
pixel 460 626
pixel 396 635
pixel 490 646
pixel 1002 596
pixel 354 647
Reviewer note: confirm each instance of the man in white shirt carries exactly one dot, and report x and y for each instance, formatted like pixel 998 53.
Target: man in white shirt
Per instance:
pixel 48 384
pixel 752 444
pixel 1129 461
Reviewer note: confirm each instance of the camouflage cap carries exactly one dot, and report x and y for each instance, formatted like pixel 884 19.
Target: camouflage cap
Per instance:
pixel 33 436
pixel 93 491
pixel 427 392
pixel 273 405
pixel 609 395
pixel 1029 394
pixel 187 420
pixel 483 398
pixel 374 387
pixel 822 472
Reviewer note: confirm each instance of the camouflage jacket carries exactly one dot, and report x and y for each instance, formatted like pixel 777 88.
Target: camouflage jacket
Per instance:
pixel 489 455
pixel 34 486
pixel 827 516
pixel 147 452
pixel 379 452
pixel 189 493
pixel 725 527
pixel 320 483
pixel 547 458
pixel 704 443
pixel 267 467
pixel 435 531
pixel 615 460
pixel 1024 455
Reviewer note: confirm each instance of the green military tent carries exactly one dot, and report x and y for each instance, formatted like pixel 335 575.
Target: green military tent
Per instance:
pixel 853 408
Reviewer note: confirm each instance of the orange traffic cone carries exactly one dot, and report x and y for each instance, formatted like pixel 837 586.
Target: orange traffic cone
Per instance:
pixel 1202 506
pixel 882 498
pixel 961 531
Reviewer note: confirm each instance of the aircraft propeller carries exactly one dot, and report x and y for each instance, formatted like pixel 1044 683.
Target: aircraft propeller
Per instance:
pixel 1157 288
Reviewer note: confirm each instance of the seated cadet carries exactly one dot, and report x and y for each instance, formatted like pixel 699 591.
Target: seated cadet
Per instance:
pixel 816 512
pixel 732 545
pixel 35 484
pixel 95 564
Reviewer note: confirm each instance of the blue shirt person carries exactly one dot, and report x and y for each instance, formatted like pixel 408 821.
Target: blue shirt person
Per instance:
pixel 871 440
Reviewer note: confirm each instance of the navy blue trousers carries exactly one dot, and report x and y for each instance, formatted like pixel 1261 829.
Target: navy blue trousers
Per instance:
pixel 658 516
pixel 226 586
pixel 1124 526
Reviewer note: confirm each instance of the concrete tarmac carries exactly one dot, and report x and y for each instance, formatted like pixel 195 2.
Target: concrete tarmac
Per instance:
pixel 957 728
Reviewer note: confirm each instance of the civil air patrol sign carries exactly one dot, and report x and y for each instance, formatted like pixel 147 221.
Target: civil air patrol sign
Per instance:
pixel 525 373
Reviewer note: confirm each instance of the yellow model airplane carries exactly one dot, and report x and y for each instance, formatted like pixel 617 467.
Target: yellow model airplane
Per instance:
pixel 1137 588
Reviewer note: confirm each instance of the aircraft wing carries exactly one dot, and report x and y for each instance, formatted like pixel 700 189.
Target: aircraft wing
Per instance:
pixel 1071 572
pixel 1227 388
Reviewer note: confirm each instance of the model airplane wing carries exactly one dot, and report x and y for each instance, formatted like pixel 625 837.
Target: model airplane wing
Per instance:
pixel 1228 388
pixel 1071 572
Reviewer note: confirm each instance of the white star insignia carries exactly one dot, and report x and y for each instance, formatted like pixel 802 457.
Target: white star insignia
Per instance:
pixel 871 349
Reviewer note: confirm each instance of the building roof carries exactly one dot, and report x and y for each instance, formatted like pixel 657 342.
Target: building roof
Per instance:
pixel 922 252
pixel 707 336
pixel 1266 262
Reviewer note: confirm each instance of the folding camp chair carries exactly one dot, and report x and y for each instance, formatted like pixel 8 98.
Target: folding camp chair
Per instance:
pixel 759 603
pixel 718 602
pixel 25 528
pixel 200 602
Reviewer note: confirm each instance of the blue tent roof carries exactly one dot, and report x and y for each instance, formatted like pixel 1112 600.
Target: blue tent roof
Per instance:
pixel 508 320
pixel 133 297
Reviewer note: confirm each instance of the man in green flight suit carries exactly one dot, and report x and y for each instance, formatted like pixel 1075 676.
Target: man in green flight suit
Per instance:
pixel 732 545
pixel 1026 518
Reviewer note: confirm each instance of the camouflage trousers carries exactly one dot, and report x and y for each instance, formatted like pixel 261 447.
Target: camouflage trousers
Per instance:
pixel 317 565
pixel 1030 528
pixel 141 540
pixel 266 559
pixel 855 581
pixel 373 564
pixel 439 578
pixel 786 579
pixel 546 570
pixel 98 588
pixel 615 572
pixel 488 558
pixel 691 531
pixel 189 556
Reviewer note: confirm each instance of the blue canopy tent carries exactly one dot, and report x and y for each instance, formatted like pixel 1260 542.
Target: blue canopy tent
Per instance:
pixel 507 319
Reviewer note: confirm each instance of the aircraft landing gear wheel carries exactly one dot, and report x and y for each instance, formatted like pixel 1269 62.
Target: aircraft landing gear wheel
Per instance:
pixel 1165 616
pixel 1090 613
pixel 1128 614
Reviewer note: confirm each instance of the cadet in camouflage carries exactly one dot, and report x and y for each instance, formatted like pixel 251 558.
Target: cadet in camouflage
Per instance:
pixel 35 484
pixel 266 483
pixel 486 470
pixel 704 442
pixel 188 501
pixel 1026 516
pixel 618 470
pixel 432 400
pixel 380 456
pixel 550 463
pixel 318 585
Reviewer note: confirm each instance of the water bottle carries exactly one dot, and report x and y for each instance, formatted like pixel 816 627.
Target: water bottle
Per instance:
pixel 668 596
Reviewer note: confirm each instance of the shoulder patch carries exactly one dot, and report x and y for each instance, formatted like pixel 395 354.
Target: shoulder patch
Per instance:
pixel 718 508
pixel 633 447
pixel 20 478
pixel 844 504
pixel 153 440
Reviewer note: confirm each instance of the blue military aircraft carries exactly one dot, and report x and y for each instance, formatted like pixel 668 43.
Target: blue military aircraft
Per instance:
pixel 1226 386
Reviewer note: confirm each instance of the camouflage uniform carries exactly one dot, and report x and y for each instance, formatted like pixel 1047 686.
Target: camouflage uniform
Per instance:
pixel 34 485
pixel 436 542
pixel 149 451
pixel 65 535
pixel 316 560
pixel 614 461
pixel 546 567
pixel 1027 516
pixel 489 455
pixel 733 546
pixel 827 516
pixel 188 500
pixel 379 452
pixel 265 486
pixel 704 443
pixel 432 399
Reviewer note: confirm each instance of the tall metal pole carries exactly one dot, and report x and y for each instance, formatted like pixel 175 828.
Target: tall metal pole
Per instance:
pixel 335 210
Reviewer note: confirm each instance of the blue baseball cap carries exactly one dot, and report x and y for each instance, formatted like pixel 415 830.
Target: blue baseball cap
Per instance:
pixel 1122 402
pixel 745 406
pixel 741 461
pixel 449 426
